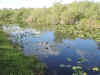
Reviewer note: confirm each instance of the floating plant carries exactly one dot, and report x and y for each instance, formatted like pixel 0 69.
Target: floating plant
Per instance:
pixel 78 70
pixel 95 69
pixel 81 60
pixel 69 59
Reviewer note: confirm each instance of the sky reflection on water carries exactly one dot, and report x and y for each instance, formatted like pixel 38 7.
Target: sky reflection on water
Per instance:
pixel 58 52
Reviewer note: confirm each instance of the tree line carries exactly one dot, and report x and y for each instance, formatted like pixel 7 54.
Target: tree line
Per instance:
pixel 84 13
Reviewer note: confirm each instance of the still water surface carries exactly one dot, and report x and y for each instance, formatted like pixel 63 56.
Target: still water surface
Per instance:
pixel 54 51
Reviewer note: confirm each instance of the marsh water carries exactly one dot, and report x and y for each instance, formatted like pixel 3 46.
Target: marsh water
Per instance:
pixel 54 49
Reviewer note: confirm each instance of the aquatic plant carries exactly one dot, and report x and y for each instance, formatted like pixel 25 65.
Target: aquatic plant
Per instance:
pixel 69 59
pixel 62 65
pixel 78 70
pixel 82 60
pixel 95 69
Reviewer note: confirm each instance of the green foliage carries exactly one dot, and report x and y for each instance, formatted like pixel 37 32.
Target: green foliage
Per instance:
pixel 74 31
pixel 13 61
pixel 83 13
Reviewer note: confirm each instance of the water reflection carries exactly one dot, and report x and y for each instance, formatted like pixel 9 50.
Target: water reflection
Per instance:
pixel 31 41
pixel 54 47
pixel 38 49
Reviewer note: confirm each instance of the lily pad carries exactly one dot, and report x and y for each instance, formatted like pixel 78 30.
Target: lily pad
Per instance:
pixel 69 59
pixel 76 67
pixel 81 60
pixel 62 65
pixel 95 69
pixel 84 73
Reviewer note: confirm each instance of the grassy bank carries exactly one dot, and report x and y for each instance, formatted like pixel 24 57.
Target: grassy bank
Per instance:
pixel 13 61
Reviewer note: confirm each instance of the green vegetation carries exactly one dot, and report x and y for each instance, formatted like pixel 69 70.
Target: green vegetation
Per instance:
pixel 13 61
pixel 84 14
pixel 72 32
pixel 78 69
pixel 78 19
